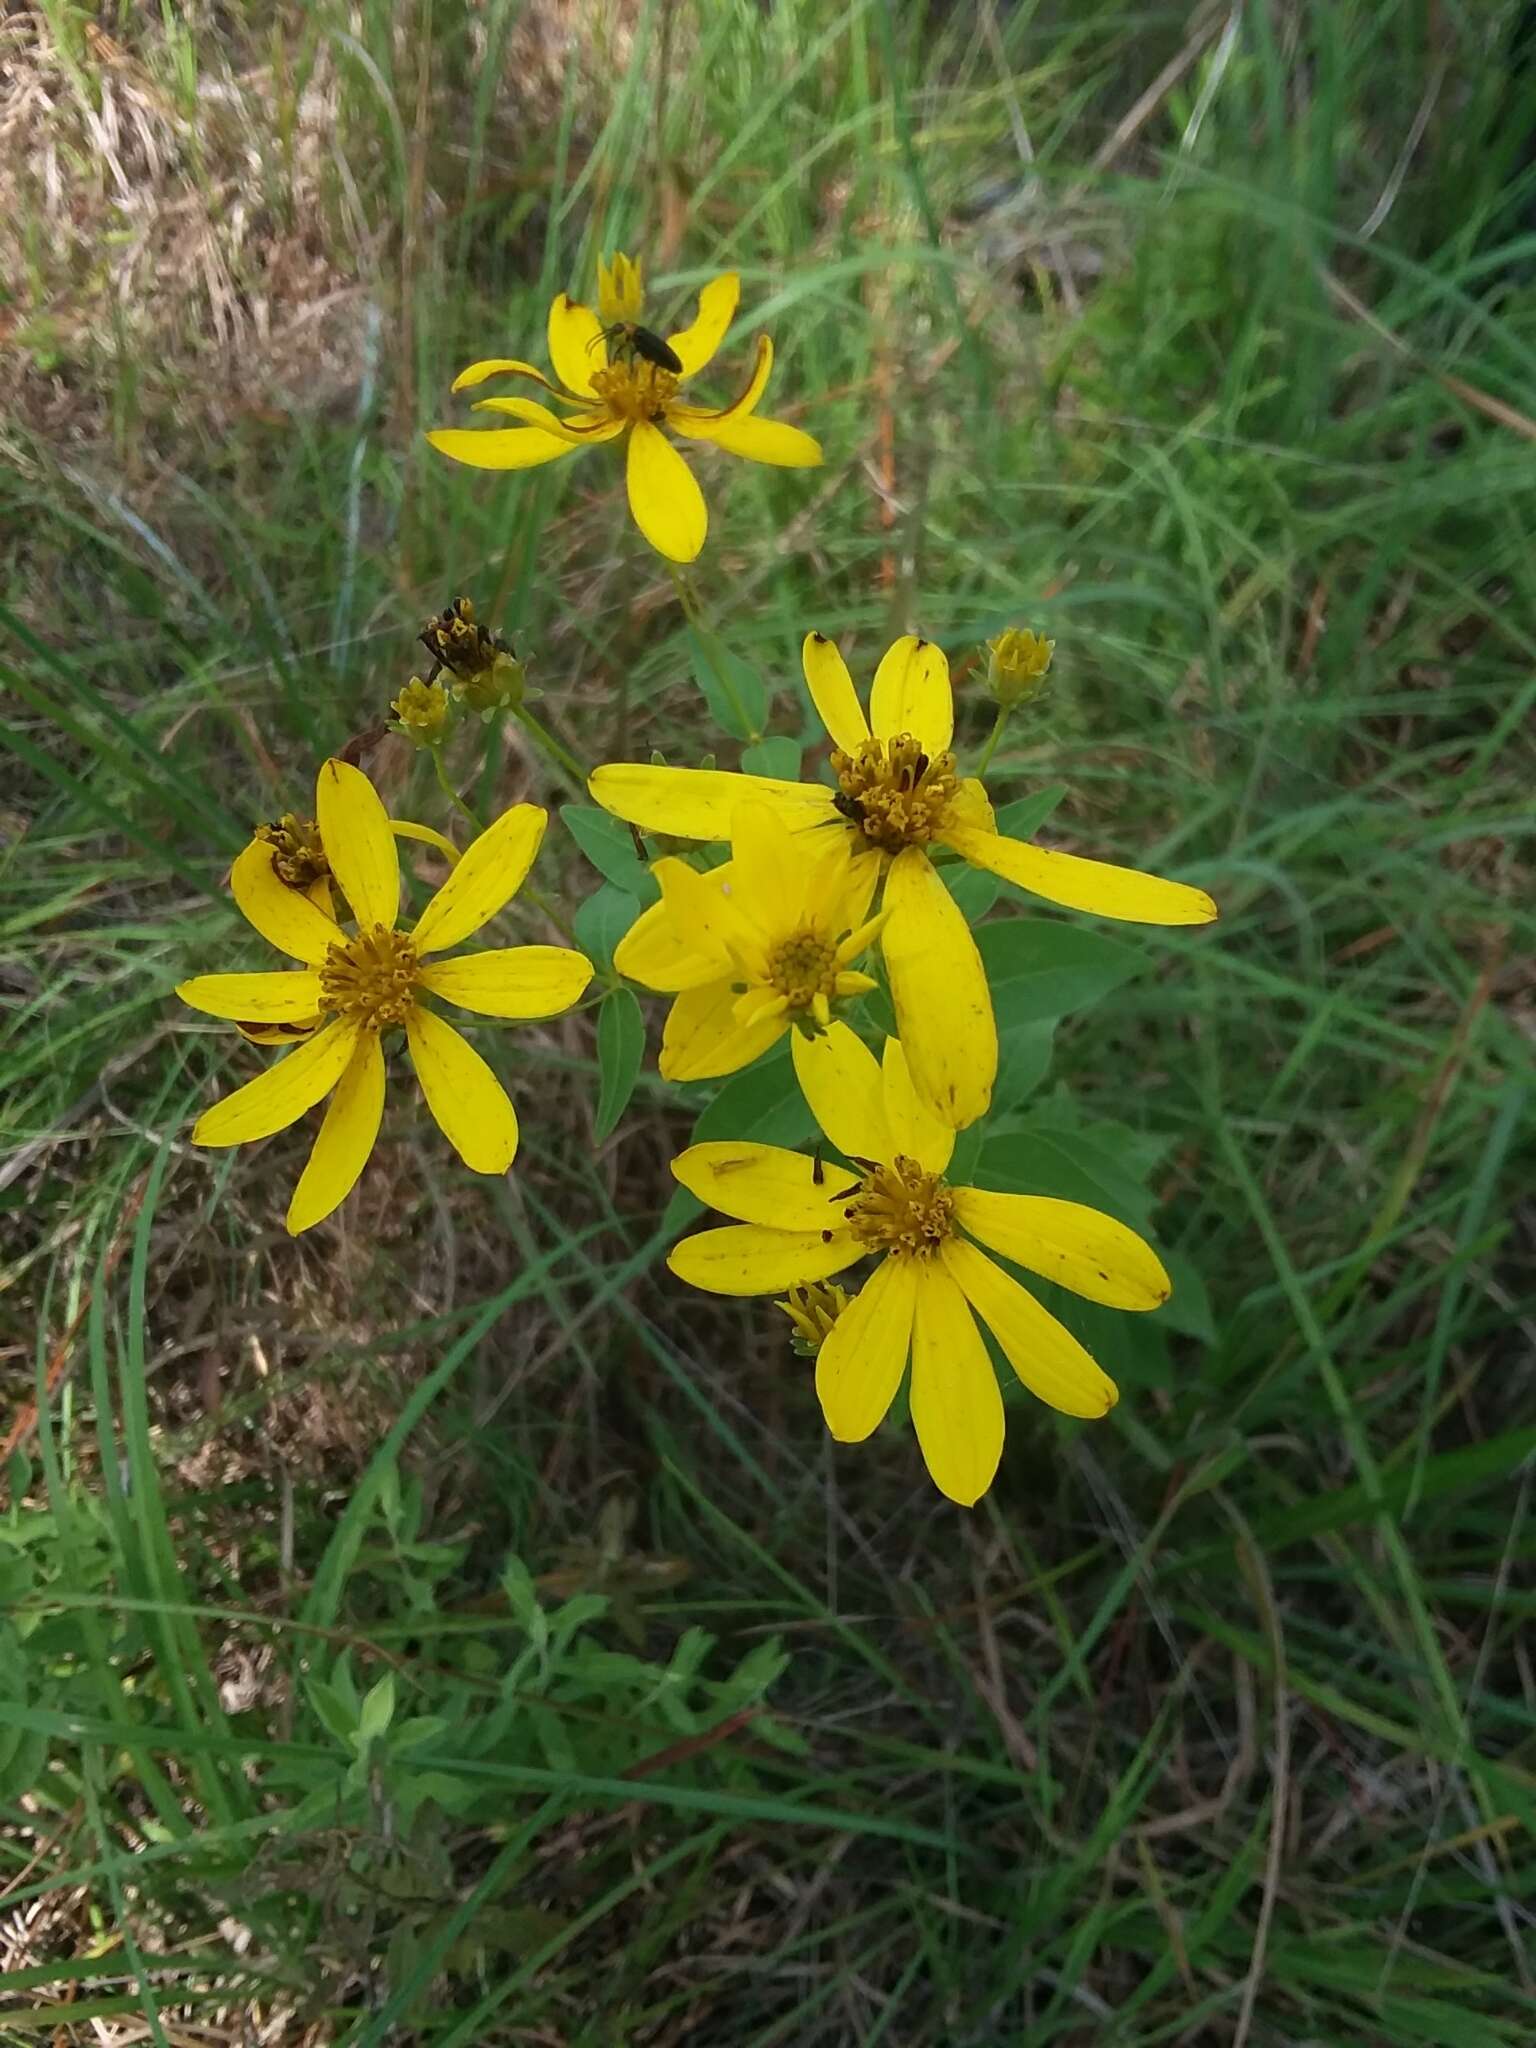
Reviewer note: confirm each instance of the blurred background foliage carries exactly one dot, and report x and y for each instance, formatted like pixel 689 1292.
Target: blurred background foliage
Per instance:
pixel 441 1630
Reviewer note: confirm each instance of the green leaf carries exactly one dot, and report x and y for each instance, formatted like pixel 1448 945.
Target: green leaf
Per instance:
pixel 1023 818
pixel 1040 969
pixel 972 888
pixel 378 1710
pixel 603 920
pixel 610 846
pixel 620 1049
pixel 1041 1159
pixel 733 690
pixel 763 1104
pixel 1024 1060
pixel 777 756
pixel 331 1710
pixel 1188 1308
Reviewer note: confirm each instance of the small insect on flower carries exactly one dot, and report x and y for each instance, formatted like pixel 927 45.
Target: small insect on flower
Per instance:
pixel 639 344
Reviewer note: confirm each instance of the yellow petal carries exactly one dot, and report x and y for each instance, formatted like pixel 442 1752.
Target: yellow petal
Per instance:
pixel 914 1129
pixel 1091 885
pixel 694 345
pixel 859 1366
pixel 703 1038
pixel 840 1079
pixel 957 1409
pixel 278 1034
pixel 685 417
pixel 1070 1243
pixel 939 987
pixel 832 692
pixel 490 872
pixel 582 430
pixel 972 806
pixel 770 441
pixel 768 878
pixel 280 1096
pixel 863 878
pixel 285 917
pixel 745 1258
pixel 765 1184
pixel 513 981
pixel 346 1138
pixel 469 1103
pixel 1047 1358
pixel 498 447
pixel 703 908
pixel 654 953
pixel 354 830
pixel 407 828
pixel 912 694
pixel 664 495
pixel 498 366
pixel 700 803
pixel 286 998
pixel 576 345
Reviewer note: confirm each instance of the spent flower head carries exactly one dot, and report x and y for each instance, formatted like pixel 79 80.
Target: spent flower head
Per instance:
pixel 1018 665
pixel 422 711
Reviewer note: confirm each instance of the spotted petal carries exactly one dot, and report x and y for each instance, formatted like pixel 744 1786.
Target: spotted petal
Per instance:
pixel 1070 1243
pixel 939 988
pixel 701 803
pixel 1092 885
pixel 354 830
pixel 1045 1355
pixel 285 917
pixel 347 1136
pixel 914 1129
pixel 860 1364
pixel 704 1039
pixel 912 694
pixel 280 1096
pixel 746 1258
pixel 576 346
pixel 511 981
pixel 471 1106
pixel 490 872
pixel 832 692
pixel 841 1080
pixel 765 1184
pixel 282 998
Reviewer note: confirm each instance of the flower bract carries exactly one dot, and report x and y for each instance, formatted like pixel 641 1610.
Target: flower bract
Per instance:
pixel 352 989
pixel 608 389
pixel 800 1221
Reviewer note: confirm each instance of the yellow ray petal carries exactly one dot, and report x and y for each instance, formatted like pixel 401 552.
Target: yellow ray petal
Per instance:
pixel 469 1103
pixel 664 495
pixel 832 692
pixel 704 909
pixel 512 981
pixel 972 806
pixel 700 803
pixel 744 1258
pixel 840 1079
pixel 765 1184
pixel 703 1039
pixel 278 1034
pixel 490 872
pixel 912 694
pixel 280 1096
pixel 939 987
pixel 859 1366
pixel 1047 1358
pixel 285 998
pixel 286 918
pixel 684 417
pixel 695 344
pixel 576 345
pixel 354 830
pixel 346 1138
pixel 914 1129
pixel 768 878
pixel 581 429
pixel 1091 885
pixel 771 441
pixel 428 835
pixel 498 447
pixel 957 1409
pixel 863 878
pixel 498 366
pixel 1070 1243
pixel 654 952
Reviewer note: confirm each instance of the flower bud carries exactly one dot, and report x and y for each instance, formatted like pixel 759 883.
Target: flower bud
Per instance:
pixel 298 858
pixel 421 713
pixel 1018 664
pixel 486 675
pixel 620 290
pixel 813 1309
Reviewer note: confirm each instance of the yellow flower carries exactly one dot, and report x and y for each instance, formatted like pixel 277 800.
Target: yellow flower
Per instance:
pixel 756 947
pixel 899 791
pixel 803 1220
pixel 1018 664
pixel 421 713
pixel 361 986
pixel 618 391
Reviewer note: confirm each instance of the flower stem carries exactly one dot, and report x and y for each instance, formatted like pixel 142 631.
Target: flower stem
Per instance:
pixel 996 734
pixel 544 738
pixel 450 792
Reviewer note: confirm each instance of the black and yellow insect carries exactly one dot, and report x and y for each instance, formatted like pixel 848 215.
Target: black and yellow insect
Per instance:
pixel 629 338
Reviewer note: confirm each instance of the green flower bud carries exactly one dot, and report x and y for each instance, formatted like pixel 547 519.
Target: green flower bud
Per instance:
pixel 1018 664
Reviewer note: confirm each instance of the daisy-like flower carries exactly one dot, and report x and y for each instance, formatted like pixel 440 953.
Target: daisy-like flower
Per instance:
pixel 759 946
pixel 616 389
pixel 803 1220
pixel 360 986
pixel 899 791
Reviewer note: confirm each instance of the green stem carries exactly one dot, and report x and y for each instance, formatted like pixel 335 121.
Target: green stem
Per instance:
pixel 543 737
pixel 996 734
pixel 710 641
pixel 450 792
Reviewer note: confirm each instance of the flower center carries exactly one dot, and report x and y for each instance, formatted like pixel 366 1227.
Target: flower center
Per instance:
pixel 894 793
pixel 370 979
pixel 635 391
pixel 802 968
pixel 899 1208
pixel 298 858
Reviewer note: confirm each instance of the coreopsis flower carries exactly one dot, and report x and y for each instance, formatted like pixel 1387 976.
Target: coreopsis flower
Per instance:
pixel 759 946
pixel 898 790
pixel 616 379
pixel 1018 664
pixel 353 989
pixel 802 1220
